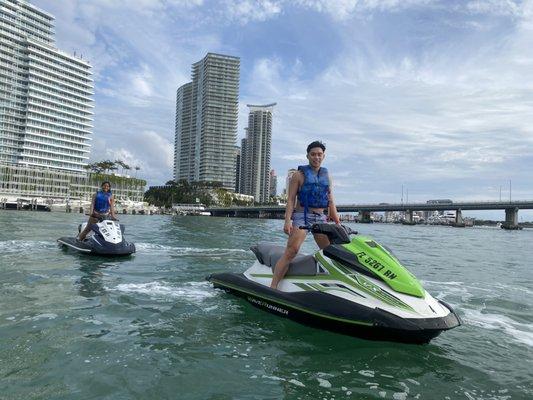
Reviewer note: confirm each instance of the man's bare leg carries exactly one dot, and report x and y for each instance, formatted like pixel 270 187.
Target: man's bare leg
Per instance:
pixel 294 243
pixel 321 240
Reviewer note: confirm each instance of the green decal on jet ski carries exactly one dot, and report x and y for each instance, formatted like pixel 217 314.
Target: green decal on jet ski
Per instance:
pixel 384 265
pixel 359 282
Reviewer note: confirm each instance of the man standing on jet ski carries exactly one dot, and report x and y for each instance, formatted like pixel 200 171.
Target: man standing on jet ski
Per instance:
pixel 309 194
pixel 102 205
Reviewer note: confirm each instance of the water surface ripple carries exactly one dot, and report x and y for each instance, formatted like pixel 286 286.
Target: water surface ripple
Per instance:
pixel 151 327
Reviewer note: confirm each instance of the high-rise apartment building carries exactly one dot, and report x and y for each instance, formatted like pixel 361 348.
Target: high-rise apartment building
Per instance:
pixel 206 122
pixel 273 184
pixel 255 153
pixel 45 94
pixel 290 173
pixel 238 170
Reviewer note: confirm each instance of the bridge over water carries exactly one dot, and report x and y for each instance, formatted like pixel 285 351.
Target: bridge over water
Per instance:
pixel 510 207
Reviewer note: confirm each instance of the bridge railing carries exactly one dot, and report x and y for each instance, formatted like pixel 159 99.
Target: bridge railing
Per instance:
pixel 389 206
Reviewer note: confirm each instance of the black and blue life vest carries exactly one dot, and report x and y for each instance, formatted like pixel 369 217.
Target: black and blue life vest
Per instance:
pixel 314 193
pixel 102 202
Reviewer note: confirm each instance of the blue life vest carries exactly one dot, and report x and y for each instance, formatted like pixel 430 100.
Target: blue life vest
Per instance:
pixel 314 192
pixel 102 201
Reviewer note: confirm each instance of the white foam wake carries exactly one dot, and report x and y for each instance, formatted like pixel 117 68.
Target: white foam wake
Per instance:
pixel 196 251
pixel 191 291
pixel 520 332
pixel 16 246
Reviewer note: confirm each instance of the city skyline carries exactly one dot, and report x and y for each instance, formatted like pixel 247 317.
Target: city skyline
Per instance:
pixel 429 94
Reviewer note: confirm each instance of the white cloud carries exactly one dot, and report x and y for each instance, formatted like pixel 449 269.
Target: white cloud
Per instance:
pixel 344 9
pixel 245 11
pixel 495 7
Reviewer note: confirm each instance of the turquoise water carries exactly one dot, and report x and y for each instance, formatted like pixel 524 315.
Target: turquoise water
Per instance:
pixel 151 327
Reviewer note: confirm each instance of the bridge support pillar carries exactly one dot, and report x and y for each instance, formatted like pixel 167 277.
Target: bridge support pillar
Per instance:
pixel 511 219
pixel 408 218
pixel 459 221
pixel 364 217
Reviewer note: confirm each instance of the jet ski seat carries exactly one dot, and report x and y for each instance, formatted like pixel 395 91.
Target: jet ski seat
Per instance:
pixel 269 254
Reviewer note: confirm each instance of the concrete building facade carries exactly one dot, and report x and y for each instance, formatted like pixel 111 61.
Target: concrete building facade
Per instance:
pixel 46 94
pixel 273 184
pixel 206 122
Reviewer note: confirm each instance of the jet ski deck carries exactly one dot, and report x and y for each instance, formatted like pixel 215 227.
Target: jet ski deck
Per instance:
pixel 74 244
pixel 90 248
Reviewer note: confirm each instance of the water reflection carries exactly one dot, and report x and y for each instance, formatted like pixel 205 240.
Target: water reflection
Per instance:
pixel 91 283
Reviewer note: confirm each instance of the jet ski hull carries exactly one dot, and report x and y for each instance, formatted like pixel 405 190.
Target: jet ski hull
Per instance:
pixel 90 246
pixel 325 311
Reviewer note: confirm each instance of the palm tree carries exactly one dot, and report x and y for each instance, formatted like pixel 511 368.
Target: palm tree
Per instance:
pixel 125 166
pixel 106 165
pixel 120 164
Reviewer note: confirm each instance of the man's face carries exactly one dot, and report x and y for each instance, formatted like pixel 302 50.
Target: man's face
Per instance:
pixel 106 187
pixel 315 156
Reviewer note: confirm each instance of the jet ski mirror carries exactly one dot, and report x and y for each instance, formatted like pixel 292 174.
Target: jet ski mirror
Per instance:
pixel 337 234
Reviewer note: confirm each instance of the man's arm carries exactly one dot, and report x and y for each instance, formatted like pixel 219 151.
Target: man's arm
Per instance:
pixel 294 185
pixel 332 208
pixel 112 206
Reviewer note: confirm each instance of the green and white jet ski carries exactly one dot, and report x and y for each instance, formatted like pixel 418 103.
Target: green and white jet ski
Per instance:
pixel 354 286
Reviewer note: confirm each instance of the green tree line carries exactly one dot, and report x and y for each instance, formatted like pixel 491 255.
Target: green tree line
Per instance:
pixel 207 193
pixel 107 166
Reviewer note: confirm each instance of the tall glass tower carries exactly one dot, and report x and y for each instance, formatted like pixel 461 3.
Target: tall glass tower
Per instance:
pixel 206 122
pixel 256 153
pixel 45 94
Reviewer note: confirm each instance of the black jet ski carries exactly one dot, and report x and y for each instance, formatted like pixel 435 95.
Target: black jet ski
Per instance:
pixel 106 238
pixel 354 286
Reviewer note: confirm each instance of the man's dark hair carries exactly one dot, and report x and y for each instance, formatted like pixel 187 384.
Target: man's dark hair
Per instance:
pixel 314 144
pixel 104 182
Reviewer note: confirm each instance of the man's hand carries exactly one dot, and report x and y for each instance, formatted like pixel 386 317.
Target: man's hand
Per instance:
pixel 335 218
pixel 287 228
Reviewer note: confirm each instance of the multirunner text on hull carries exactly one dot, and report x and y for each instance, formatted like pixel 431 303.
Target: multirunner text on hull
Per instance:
pixel 106 238
pixel 354 286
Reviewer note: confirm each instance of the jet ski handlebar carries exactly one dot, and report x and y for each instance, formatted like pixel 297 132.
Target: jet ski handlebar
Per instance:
pixel 336 233
pixel 103 217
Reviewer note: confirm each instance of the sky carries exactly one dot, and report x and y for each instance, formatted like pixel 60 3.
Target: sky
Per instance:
pixel 435 97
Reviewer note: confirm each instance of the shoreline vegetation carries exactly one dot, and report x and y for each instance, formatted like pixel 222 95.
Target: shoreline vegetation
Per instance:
pixel 206 193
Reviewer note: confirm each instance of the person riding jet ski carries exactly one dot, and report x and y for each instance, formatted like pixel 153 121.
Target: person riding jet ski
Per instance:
pixel 102 205
pixel 309 194
pixel 102 234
